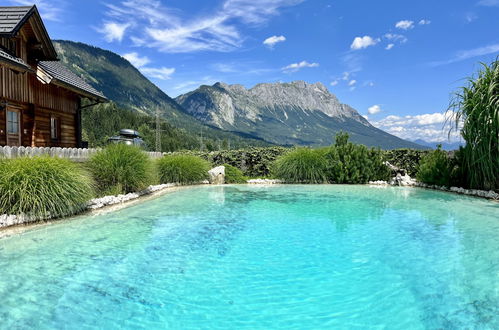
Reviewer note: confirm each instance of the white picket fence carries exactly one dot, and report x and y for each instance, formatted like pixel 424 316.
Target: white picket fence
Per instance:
pixel 75 154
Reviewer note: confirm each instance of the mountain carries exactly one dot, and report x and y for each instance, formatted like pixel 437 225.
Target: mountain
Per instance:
pixel 285 113
pixel 123 84
pixel 449 146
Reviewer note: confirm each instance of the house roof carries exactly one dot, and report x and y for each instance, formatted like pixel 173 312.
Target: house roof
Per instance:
pixel 62 76
pixel 12 18
pixel 13 61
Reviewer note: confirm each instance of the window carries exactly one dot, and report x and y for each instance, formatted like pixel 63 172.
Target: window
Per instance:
pixel 54 128
pixel 12 122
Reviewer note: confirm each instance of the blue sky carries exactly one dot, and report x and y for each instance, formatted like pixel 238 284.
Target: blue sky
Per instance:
pixel 396 61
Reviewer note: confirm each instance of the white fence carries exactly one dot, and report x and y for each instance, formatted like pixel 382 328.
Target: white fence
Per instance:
pixel 76 154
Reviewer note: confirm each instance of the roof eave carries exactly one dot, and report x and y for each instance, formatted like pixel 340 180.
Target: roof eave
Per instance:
pixel 15 65
pixel 79 91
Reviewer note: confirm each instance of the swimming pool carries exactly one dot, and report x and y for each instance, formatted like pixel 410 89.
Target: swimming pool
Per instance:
pixel 261 257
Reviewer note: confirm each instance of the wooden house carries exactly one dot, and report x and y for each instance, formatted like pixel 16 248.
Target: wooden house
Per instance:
pixel 40 99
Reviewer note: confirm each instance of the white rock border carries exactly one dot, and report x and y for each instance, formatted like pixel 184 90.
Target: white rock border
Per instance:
pixel 8 220
pixel 264 181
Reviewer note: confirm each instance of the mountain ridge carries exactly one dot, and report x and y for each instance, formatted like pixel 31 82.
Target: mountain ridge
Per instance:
pixel 284 113
pixel 126 86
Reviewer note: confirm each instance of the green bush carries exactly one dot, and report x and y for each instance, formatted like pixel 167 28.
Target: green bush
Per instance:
pixel 253 161
pixel 354 163
pixel 302 165
pixel 233 174
pixel 435 168
pixel 43 187
pixel 183 169
pixel 120 168
pixel 407 159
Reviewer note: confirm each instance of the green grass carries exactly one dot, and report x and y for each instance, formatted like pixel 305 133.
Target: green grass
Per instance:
pixel 234 175
pixel 302 165
pixel 476 108
pixel 43 187
pixel 120 169
pixel 182 169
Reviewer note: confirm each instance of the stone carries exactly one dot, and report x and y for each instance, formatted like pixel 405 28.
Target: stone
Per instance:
pixel 217 175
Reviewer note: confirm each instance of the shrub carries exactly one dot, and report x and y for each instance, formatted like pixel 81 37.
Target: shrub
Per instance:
pixel 435 168
pixel 407 159
pixel 302 165
pixel 476 109
pixel 183 169
pixel 120 168
pixel 233 174
pixel 354 163
pixel 253 161
pixel 43 187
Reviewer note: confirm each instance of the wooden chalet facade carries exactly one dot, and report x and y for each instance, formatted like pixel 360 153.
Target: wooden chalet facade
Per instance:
pixel 40 99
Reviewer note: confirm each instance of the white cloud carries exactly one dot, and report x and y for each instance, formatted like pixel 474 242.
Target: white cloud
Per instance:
pixel 424 22
pixel 154 25
pixel 159 73
pixel 389 46
pixel 50 10
pixel 396 37
pixel 136 60
pixel 352 82
pixel 430 127
pixel 489 3
pixel 470 53
pixel 404 24
pixel 113 31
pixel 334 83
pixel 271 41
pixel 297 66
pixel 374 109
pixel 363 42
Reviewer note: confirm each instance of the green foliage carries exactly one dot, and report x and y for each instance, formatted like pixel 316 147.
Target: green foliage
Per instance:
pixel 476 108
pixel 407 159
pixel 253 161
pixel 343 162
pixel 184 169
pixel 234 175
pixel 120 168
pixel 43 187
pixel 302 165
pixel 354 163
pixel 102 121
pixel 435 168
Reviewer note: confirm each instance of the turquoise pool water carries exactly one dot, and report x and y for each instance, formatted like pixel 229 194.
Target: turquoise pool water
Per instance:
pixel 249 257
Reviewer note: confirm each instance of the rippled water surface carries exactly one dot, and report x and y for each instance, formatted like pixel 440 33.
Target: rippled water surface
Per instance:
pixel 236 257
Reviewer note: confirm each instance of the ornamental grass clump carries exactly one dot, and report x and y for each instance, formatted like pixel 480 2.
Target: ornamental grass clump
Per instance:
pixel 475 108
pixel 121 169
pixel 302 165
pixel 43 187
pixel 183 169
pixel 234 175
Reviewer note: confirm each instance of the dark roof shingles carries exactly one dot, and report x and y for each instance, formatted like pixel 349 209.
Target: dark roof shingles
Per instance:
pixel 57 70
pixel 10 17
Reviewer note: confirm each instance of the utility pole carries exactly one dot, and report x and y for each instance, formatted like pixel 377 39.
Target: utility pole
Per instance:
pixel 158 130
